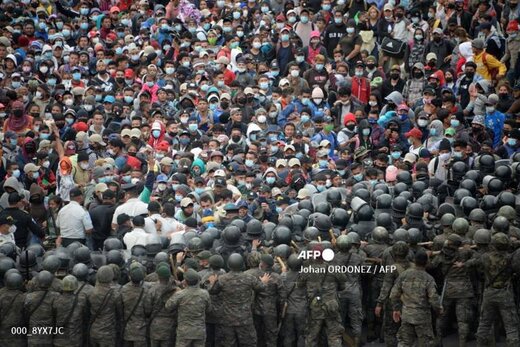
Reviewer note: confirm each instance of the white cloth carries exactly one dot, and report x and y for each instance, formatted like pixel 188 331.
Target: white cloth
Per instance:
pixel 135 237
pixel 133 207
pixel 73 220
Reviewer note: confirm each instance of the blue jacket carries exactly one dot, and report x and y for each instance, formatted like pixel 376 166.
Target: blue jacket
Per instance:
pixel 495 121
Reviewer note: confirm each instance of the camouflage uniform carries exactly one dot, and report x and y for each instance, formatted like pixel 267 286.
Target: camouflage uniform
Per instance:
pixel 160 318
pixel 350 299
pixel 390 328
pixel 265 308
pixel 458 292
pixel 105 314
pixel 374 283
pixel 134 314
pixel 236 289
pixel 294 322
pixel 38 307
pixel 69 313
pixel 416 291
pixel 11 316
pixel 497 297
pixel 191 305
pixel 322 294
pixel 212 321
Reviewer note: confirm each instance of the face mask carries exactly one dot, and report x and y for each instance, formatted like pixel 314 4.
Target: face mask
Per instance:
pixel 395 155
pixel 285 37
pixel 323 163
pixel 317 101
pixel 273 114
pixel 457 155
pixel 274 149
pixel 249 163
pixel 38 95
pixel 234 45
pixel 350 30
pixel 366 132
pixel 262 119
pixel 418 74
pixel 193 127
pixel 358 177
pixel 454 123
pixel 69 121
pixel 304 19
pixel 359 73
pixel 69 102
pixel 338 20
pixel 83 26
pixel 178 198
pixel 264 85
pixel 184 141
pixel 490 109
pixel 351 127
pixel 156 133
pixel 150 84
pixel 16 173
pixel 320 188
pixel 511 142
pixel 270 180
pixel 433 132
pixel 372 103
pixel 84 166
pixel 161 187
pixel 16 84
pixel 240 33
pixel 295 73
pixel 319 67
pixel 76 76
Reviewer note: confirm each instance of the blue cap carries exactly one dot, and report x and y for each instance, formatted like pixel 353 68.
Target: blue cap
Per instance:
pixel 110 99
pixel 162 178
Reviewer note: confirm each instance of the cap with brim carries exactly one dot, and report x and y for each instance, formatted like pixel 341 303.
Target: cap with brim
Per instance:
pixel 96 138
pixel 303 194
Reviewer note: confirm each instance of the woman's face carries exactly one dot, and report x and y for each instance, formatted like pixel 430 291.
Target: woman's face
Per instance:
pixel 372 98
pixel 503 90
pixel 448 74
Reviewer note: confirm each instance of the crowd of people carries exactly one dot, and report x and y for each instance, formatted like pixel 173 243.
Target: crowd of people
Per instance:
pixel 164 160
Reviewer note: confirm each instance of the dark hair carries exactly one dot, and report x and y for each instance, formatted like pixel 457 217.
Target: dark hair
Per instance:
pixel 421 258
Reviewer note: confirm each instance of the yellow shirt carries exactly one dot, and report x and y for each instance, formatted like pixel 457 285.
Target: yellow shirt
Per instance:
pixel 485 66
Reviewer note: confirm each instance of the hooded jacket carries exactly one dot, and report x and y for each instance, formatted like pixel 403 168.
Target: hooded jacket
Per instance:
pixel 413 88
pixel 433 141
pixel 36 198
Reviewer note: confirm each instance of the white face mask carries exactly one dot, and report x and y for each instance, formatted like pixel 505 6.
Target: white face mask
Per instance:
pixel 84 166
pixel 46 164
pixel 318 101
pixel 262 119
pixel 422 122
pixel 69 102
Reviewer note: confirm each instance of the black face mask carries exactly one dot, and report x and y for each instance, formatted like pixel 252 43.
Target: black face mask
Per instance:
pixel 394 76
pixel 449 79
pixel 120 80
pixel 18 113
pixel 470 75
pixel 224 104
pixel 399 15
pixel 503 95
pixel 371 66
pixel 241 101
pixel 432 63
pixel 476 129
pixel 437 38
pixel 417 74
pixel 351 127
pixel 391 106
pixel 235 138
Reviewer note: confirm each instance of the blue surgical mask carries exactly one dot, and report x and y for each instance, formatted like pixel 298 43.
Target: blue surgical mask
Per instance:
pixel 319 67
pixel 285 37
pixel 127 178
pixel 454 123
pixel 305 101
pixel 83 26
pixel 249 163
pixel 511 142
pixel 279 209
pixel 44 136
pixel 119 51
pixel 66 32
pixel 76 76
pixel 320 188
pixel 433 131
pixel 305 118
pixel 325 7
pixel 270 180
pixel 200 190
pixel 16 173
pixel 457 154
pixel 342 172
pixel 323 163
pixel 358 177
pixel 366 132
pixel 156 133
pixel 178 197
pixel 264 85
pixel 338 20
pixel 395 155
pixel 274 149
pixel 300 59
pixel 193 127
pixel 128 99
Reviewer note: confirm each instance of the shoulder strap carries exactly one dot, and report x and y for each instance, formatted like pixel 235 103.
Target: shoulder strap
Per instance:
pixel 6 313
pixel 39 303
pixel 436 165
pixel 133 309
pixel 103 303
pixel 69 316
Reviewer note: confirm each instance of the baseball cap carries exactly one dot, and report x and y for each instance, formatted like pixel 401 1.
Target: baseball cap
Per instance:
pixel 414 132
pixel 185 202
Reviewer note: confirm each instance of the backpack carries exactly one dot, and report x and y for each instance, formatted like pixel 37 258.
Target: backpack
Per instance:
pixel 393 48
pixel 493 72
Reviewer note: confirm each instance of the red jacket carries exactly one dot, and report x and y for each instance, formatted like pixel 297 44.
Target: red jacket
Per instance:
pixel 361 89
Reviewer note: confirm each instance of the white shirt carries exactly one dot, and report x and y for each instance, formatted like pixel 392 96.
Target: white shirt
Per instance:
pixel 133 207
pixel 135 237
pixel 9 237
pixel 73 220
